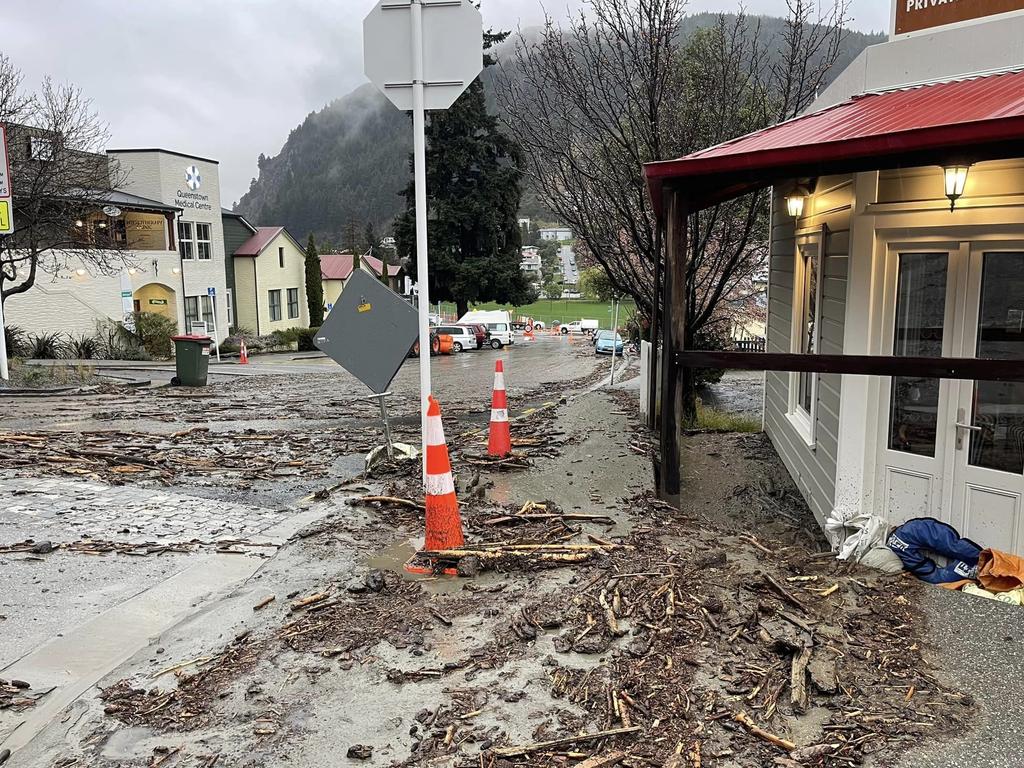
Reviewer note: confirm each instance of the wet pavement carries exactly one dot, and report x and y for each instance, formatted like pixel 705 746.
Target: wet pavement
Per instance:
pixel 79 599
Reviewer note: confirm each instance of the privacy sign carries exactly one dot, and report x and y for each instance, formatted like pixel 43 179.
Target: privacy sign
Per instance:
pixel 918 15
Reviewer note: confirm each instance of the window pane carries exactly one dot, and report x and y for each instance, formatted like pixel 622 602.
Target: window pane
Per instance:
pixel 185 239
pixel 293 302
pixel 999 405
pixel 191 312
pixel 207 310
pixel 203 250
pixel 809 330
pixel 275 305
pixel 920 316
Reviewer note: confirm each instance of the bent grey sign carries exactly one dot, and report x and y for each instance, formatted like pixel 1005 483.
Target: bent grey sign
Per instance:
pixel 369 331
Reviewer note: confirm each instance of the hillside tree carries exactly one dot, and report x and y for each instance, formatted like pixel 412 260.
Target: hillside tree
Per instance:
pixel 314 285
pixel 60 179
pixel 619 87
pixel 474 178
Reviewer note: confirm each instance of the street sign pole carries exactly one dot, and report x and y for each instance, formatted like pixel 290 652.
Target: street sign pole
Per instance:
pixel 419 121
pixel 6 228
pixel 615 332
pixel 5 374
pixel 213 305
pixel 423 54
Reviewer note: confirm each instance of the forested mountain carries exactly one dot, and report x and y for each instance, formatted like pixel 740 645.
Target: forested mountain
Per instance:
pixel 346 165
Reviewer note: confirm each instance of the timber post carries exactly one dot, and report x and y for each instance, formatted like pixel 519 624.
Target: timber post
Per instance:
pixel 654 370
pixel 674 332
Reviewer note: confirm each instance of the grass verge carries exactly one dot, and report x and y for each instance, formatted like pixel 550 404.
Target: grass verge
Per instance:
pixel 714 420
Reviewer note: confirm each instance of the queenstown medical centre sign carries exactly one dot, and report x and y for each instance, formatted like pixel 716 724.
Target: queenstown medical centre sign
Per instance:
pixel 193 199
pixel 918 15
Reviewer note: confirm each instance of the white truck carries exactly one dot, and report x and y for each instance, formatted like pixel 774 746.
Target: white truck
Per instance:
pixel 588 327
pixel 497 321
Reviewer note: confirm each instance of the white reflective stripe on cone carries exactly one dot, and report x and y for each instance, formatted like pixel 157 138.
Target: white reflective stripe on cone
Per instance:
pixel 440 485
pixel 435 431
pixel 499 414
pixel 499 380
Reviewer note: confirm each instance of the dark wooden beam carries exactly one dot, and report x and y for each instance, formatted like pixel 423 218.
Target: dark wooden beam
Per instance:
pixel 653 370
pixel 673 333
pixel 866 365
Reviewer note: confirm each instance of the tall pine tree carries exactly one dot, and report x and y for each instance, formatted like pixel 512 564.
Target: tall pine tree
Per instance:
pixel 474 180
pixel 314 285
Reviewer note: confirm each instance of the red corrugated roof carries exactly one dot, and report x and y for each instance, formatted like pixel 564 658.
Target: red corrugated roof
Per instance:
pixel 956 117
pixel 376 264
pixel 254 245
pixel 336 266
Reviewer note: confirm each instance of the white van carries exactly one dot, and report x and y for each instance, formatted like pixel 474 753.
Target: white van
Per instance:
pixel 498 322
pixel 588 327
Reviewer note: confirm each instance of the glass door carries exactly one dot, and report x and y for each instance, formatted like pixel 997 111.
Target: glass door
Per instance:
pixel 919 315
pixel 989 459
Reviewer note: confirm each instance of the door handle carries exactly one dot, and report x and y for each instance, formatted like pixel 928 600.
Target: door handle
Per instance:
pixel 961 427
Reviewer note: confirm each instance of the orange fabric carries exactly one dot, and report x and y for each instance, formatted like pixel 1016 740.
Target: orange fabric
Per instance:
pixel 1000 571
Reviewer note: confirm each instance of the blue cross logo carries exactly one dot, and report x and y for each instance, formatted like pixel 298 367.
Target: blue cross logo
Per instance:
pixel 192 178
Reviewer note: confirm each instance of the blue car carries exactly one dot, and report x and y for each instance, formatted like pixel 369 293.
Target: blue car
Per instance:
pixel 608 341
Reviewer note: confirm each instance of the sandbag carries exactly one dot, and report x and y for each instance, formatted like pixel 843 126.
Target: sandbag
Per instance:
pixel 918 540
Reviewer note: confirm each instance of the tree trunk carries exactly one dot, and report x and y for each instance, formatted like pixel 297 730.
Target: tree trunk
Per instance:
pixel 462 307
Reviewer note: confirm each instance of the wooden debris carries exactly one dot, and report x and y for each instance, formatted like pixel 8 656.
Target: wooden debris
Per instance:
pixel 392 500
pixel 264 602
pixel 798 679
pixel 602 761
pixel 541 746
pixel 743 719
pixel 305 602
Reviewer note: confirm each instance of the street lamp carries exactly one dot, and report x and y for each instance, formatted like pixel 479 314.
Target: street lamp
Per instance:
pixel 955 177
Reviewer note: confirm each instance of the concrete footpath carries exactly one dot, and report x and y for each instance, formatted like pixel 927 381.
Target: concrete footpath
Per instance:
pixel 977 645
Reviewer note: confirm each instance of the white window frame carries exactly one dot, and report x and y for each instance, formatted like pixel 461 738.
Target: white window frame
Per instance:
pixel 804 421
pixel 184 241
pixel 229 304
pixel 190 318
pixel 270 305
pixel 204 241
pixel 298 305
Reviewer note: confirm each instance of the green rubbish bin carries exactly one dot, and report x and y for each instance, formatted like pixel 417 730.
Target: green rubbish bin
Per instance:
pixel 191 360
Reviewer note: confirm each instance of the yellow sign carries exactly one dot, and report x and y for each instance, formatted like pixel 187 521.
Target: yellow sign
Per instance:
pixel 364 307
pixel 5 217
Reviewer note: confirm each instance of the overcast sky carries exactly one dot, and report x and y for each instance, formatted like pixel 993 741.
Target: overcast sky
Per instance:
pixel 228 79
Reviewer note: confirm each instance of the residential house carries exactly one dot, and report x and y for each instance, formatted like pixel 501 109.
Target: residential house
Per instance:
pixel 897 230
pixel 270 282
pixel 336 269
pixel 556 234
pixel 237 230
pixel 531 262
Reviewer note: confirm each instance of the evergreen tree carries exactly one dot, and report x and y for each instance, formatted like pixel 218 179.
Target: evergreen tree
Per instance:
pixel 474 177
pixel 314 285
pixel 371 239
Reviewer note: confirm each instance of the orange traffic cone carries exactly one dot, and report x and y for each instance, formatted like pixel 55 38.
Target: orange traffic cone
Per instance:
pixel 444 526
pixel 243 357
pixel 499 442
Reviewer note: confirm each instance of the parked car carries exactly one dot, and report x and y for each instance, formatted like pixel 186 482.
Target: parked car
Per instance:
pixel 463 337
pixel 607 341
pixel 538 325
pixel 483 336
